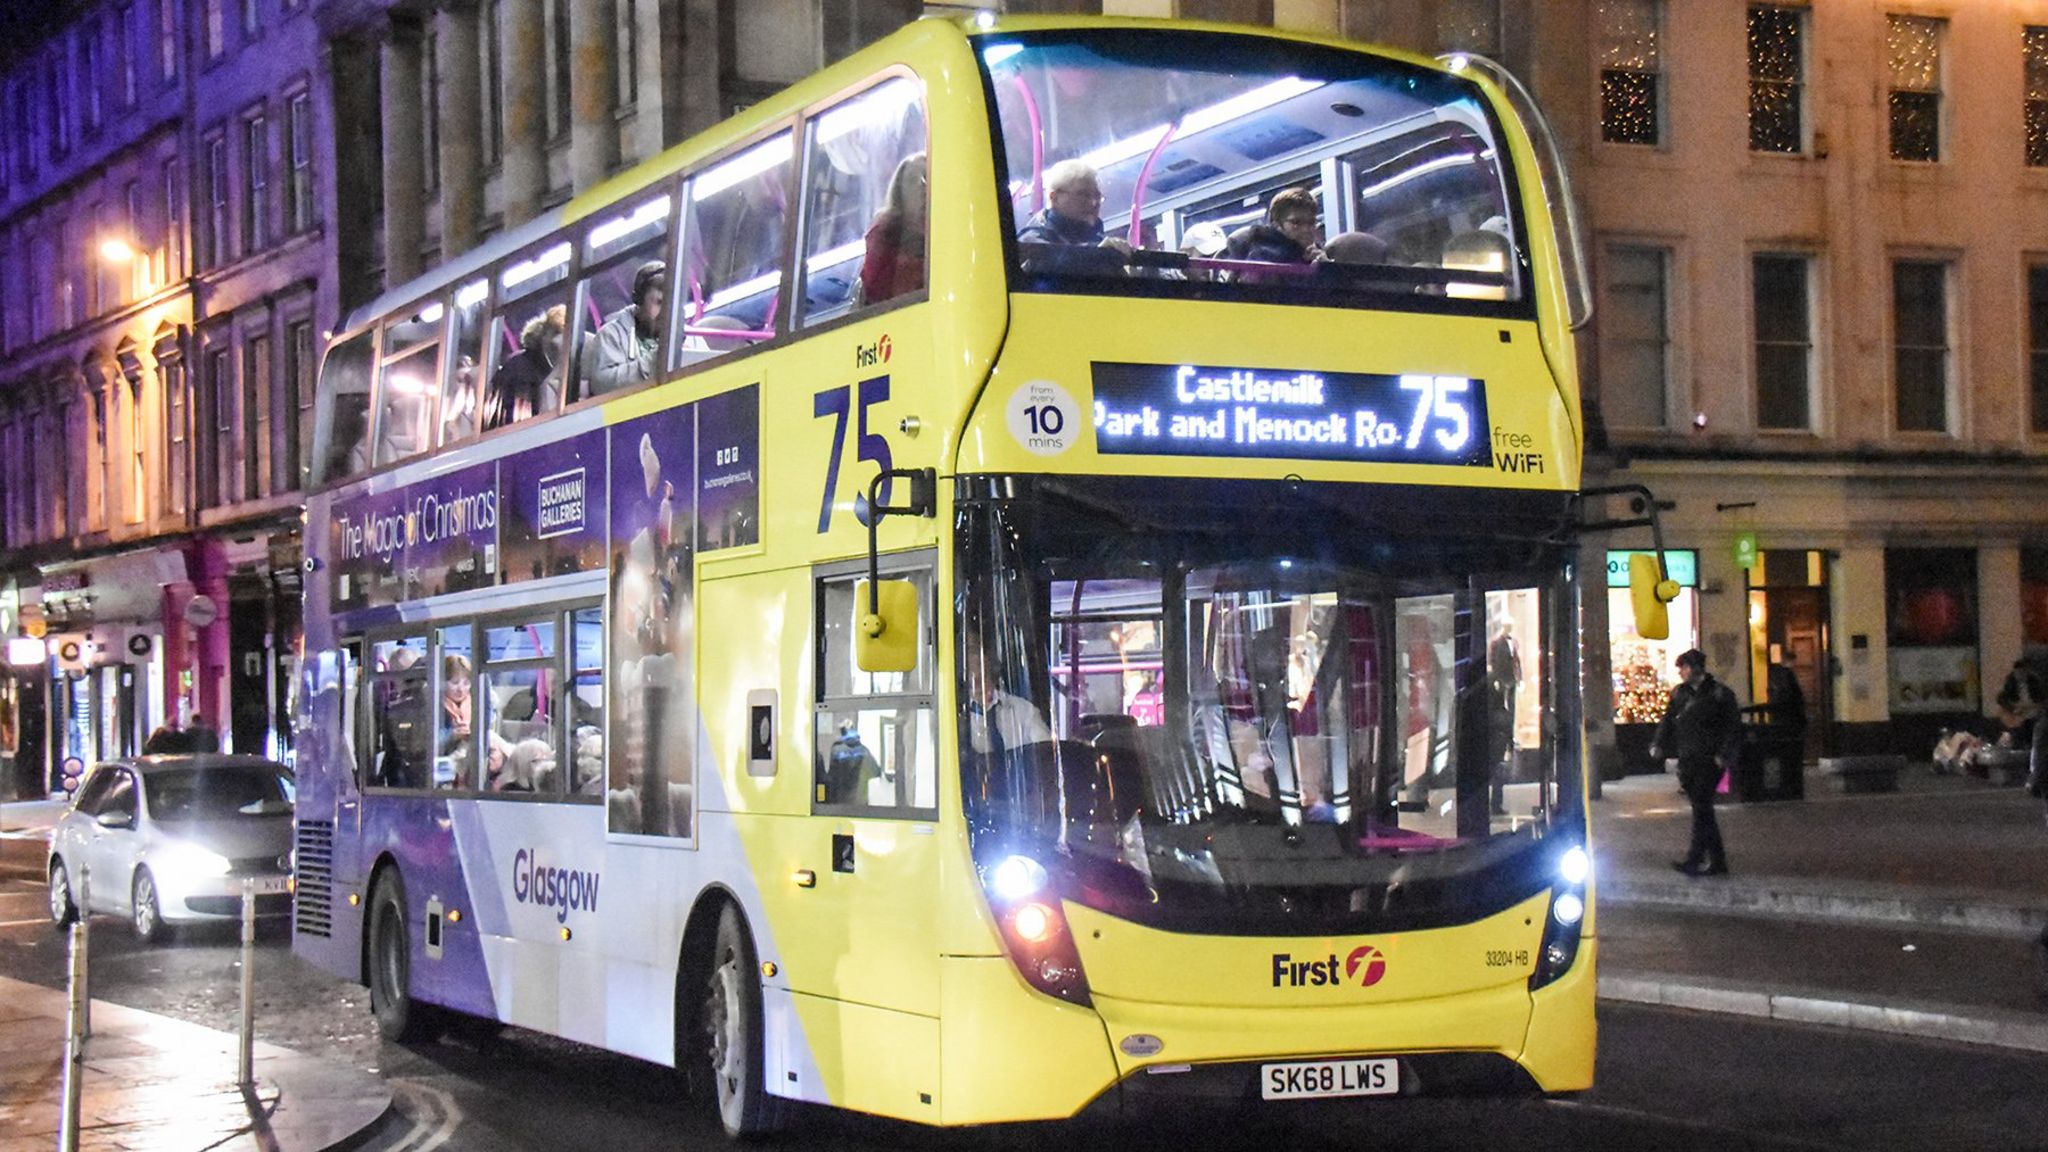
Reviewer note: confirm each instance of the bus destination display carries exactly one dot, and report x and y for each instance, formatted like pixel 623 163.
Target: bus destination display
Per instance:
pixel 1208 410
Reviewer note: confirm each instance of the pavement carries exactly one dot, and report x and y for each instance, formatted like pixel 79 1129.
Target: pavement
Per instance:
pixel 1916 912
pixel 153 1082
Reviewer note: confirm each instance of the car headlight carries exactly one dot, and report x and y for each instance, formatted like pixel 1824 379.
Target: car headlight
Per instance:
pixel 190 862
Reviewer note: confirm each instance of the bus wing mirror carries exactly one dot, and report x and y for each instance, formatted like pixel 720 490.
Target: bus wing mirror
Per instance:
pixel 886 638
pixel 1650 591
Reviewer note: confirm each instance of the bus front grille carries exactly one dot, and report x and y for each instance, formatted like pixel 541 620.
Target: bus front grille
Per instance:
pixel 314 908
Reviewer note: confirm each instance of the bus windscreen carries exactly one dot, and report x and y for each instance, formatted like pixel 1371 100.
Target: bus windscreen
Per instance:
pixel 1211 165
pixel 1221 720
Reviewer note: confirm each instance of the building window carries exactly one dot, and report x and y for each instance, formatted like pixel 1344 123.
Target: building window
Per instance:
pixel 1914 45
pixel 59 86
pixel 488 69
pixel 96 461
pixel 172 378
pixel 216 177
pixel 255 182
pixel 1783 317
pixel 1920 344
pixel 131 231
pixel 2036 46
pixel 58 441
pixel 252 20
pixel 24 134
pixel 95 268
pixel 299 140
pixel 167 40
pixel 216 29
pixel 1635 338
pixel 67 275
pixel 138 452
pixel 1931 626
pixel 124 51
pixel 1631 71
pixel 1777 79
pixel 89 73
pixel 2037 344
pixel 256 447
pixel 217 419
pixel 168 244
pixel 295 439
pixel 558 68
pixel 1467 26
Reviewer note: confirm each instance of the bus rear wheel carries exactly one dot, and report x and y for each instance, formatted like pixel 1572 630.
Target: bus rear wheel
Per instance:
pixel 729 1016
pixel 400 1018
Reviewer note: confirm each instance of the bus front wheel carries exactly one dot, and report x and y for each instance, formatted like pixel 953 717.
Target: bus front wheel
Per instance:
pixel 400 1018
pixel 730 1017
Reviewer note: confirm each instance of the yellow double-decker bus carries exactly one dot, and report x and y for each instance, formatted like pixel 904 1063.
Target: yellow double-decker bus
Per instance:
pixel 1032 571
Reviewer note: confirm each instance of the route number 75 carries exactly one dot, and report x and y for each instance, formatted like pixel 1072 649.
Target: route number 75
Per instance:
pixel 871 446
pixel 1441 397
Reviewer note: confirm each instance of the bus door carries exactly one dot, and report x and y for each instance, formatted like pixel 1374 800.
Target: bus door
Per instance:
pixel 874 797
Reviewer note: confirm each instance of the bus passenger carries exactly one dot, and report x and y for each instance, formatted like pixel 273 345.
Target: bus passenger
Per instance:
pixel 1072 216
pixel 621 353
pixel 895 242
pixel 1288 235
pixel 1356 248
pixel 530 381
pixel 850 768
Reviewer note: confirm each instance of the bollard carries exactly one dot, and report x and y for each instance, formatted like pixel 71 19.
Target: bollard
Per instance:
pixel 245 1075
pixel 84 923
pixel 75 1031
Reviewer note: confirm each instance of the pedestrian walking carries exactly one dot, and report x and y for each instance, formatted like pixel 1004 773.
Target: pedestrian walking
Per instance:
pixel 1702 728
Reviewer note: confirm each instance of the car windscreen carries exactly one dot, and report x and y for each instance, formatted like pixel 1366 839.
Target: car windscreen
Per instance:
pixel 219 792
pixel 1220 166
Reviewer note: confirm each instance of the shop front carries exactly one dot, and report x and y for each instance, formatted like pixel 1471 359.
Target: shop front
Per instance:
pixel 1645 671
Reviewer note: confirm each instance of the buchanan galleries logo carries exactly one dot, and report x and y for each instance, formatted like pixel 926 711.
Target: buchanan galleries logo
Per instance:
pixel 1365 965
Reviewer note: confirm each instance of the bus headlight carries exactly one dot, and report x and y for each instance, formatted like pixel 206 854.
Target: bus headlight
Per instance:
pixel 1568 909
pixel 1574 866
pixel 1016 878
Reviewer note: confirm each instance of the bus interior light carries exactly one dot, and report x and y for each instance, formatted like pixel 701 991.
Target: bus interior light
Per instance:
pixel 653 211
pixel 548 261
pixel 997 53
pixel 740 168
pixel 880 106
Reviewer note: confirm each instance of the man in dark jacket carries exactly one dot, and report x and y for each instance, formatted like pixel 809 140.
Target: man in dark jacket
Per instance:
pixel 1288 234
pixel 1702 727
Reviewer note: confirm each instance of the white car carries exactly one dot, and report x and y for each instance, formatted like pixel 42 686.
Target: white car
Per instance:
pixel 171 840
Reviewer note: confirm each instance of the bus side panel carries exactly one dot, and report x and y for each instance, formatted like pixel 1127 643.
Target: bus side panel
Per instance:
pixel 1012 1054
pixel 871 1059
pixel 1562 1028
pixel 418 835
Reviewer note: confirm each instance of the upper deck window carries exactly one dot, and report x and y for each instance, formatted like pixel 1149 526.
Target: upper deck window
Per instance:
pixel 409 382
pixel 527 338
pixel 621 299
pixel 734 248
pixel 1211 165
pixel 865 225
